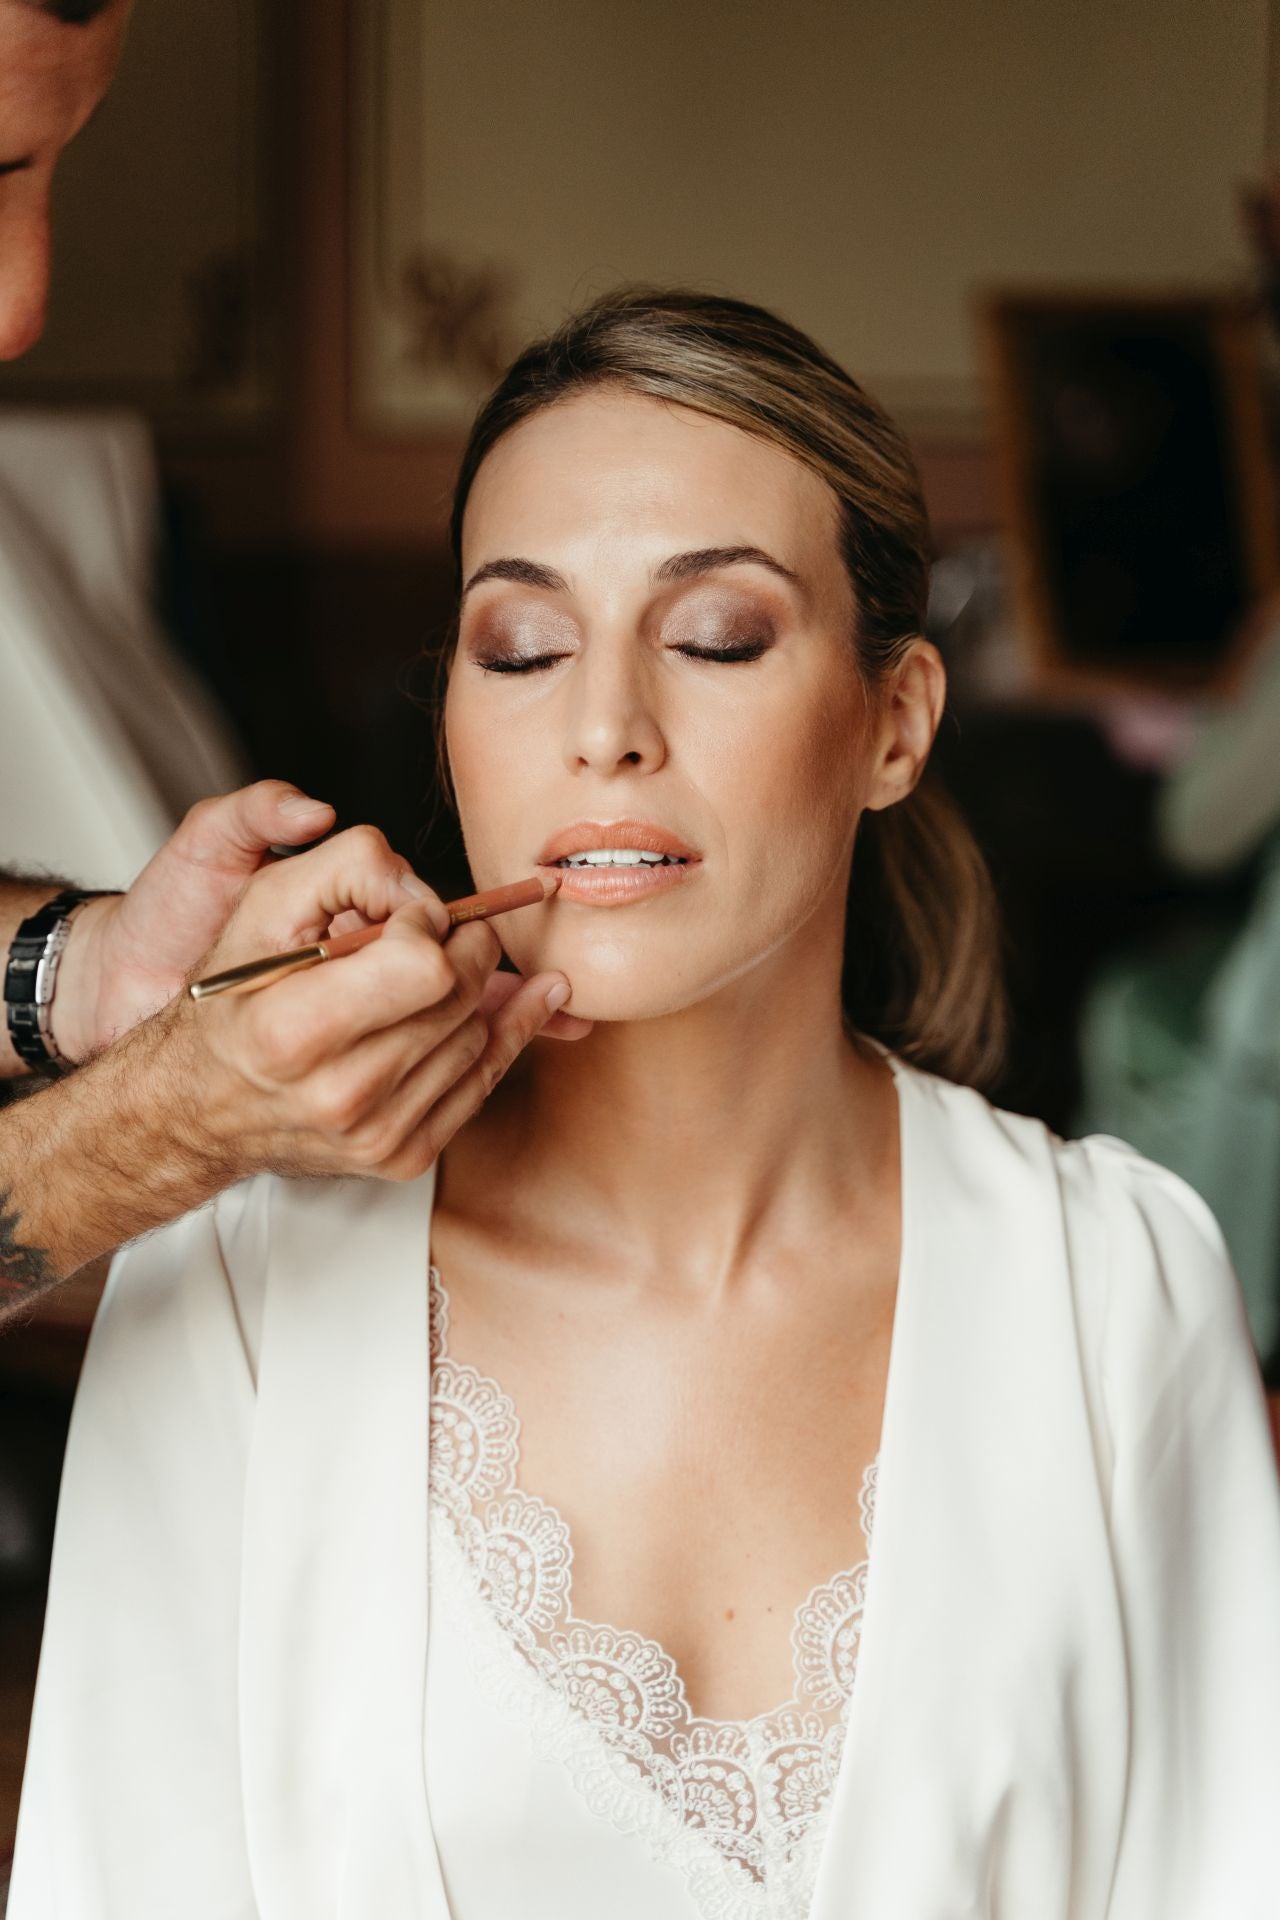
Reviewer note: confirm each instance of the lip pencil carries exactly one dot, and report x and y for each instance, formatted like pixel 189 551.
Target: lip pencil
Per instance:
pixel 253 974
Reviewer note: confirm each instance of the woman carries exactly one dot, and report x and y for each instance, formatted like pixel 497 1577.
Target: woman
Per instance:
pixel 845 1497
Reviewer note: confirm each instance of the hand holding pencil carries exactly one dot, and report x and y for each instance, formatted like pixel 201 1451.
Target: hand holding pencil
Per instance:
pixel 371 1065
pixel 262 972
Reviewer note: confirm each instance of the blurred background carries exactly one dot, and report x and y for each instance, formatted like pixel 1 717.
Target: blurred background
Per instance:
pixel 300 238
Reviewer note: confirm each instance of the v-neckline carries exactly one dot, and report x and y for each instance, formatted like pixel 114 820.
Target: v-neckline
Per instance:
pixel 453 1496
pixel 908 1148
pixel 900 1071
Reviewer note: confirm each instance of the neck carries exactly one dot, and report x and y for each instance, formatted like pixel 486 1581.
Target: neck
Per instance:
pixel 707 1141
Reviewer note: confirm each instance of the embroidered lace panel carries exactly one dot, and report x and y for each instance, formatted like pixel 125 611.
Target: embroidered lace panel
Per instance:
pixel 738 1806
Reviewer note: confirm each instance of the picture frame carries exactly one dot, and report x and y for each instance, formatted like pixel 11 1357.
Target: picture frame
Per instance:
pixel 1131 445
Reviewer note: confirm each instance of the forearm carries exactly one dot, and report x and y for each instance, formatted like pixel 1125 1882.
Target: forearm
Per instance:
pixel 20 896
pixel 96 1159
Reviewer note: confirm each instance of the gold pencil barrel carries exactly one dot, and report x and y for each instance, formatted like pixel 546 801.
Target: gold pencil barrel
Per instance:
pixel 274 966
pixel 257 973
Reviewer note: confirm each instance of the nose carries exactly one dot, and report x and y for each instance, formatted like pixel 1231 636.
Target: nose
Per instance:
pixel 612 725
pixel 24 275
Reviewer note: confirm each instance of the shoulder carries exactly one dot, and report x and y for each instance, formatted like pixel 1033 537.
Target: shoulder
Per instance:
pixel 1148 1275
pixel 1172 1308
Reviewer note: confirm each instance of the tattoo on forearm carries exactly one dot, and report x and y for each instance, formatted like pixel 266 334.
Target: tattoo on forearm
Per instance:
pixel 23 1270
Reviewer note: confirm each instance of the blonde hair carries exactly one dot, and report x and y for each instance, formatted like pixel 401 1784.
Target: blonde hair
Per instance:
pixel 922 970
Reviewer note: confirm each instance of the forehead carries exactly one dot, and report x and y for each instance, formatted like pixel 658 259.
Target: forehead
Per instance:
pixel 611 473
pixel 52 76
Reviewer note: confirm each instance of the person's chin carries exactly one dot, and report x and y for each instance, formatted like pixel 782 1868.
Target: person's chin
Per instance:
pixel 648 987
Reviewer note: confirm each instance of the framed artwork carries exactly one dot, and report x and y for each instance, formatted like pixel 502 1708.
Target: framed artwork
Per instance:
pixel 1132 443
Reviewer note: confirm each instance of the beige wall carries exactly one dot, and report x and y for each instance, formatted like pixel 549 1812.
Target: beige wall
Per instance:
pixel 862 166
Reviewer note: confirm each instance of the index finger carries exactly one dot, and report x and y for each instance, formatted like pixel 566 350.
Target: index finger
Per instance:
pixel 297 900
pixel 316 1014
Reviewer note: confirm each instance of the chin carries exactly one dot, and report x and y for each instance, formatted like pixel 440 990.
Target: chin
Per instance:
pixel 617 979
pixel 613 1002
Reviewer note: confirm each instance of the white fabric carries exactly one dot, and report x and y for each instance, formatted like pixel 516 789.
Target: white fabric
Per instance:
pixel 532 1707
pixel 1068 1687
pixel 105 738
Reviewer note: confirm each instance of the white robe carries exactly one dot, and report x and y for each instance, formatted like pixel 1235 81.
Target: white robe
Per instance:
pixel 106 735
pixel 1068 1693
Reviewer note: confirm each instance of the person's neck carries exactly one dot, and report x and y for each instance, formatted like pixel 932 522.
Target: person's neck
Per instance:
pixel 702 1142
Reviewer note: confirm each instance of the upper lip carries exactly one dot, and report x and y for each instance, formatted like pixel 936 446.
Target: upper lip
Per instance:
pixel 584 835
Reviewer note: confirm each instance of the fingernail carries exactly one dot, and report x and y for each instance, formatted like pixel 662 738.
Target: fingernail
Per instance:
pixel 299 803
pixel 557 995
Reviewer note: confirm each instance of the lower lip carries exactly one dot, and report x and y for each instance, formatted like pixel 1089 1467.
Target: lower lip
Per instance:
pixel 617 886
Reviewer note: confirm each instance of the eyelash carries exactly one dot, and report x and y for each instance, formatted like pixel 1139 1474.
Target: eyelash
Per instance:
pixel 751 651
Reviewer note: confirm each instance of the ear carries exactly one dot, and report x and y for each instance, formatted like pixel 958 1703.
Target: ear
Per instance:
pixel 911 703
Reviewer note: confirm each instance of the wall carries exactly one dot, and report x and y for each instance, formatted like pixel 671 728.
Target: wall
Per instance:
pixel 865 167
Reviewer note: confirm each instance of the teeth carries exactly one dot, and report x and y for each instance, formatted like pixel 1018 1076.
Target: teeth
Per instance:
pixel 619 857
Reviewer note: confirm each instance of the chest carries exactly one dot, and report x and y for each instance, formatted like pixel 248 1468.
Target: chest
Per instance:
pixel 705 1462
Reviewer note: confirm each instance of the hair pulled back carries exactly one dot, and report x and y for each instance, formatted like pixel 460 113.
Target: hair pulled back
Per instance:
pixel 922 971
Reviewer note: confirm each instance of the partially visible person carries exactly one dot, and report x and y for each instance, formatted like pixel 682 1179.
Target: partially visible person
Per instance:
pixel 750 1472
pixel 363 1066
pixel 170 1108
pixel 1180 1042
pixel 57 58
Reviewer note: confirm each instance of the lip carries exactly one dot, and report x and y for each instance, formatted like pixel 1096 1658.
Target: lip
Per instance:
pixel 584 836
pixel 616 886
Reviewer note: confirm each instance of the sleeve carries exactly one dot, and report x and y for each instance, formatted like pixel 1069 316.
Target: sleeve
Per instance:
pixel 131 1803
pixel 1195 1515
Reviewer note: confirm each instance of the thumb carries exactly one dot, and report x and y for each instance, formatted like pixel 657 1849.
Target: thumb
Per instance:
pixel 183 897
pixel 298 819
pixel 230 833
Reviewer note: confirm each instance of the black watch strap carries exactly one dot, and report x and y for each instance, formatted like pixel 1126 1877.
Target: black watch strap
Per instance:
pixel 29 979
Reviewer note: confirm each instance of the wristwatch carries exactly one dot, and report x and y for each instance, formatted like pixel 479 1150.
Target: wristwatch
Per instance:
pixel 30 976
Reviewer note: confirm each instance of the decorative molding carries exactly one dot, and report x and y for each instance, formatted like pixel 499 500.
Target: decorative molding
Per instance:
pixel 430 329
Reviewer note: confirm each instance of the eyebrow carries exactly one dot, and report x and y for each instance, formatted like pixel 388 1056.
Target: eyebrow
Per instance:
pixel 680 566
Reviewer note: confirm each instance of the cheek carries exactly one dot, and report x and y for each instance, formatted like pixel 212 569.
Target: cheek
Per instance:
pixel 802 787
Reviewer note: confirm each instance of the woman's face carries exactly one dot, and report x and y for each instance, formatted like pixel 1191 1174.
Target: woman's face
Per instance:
pixel 656 652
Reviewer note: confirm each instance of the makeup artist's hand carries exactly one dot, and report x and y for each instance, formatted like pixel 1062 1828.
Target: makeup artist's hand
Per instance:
pixel 129 954
pixel 368 1064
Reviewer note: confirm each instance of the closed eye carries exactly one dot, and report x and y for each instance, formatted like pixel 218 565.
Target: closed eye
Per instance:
pixel 536 663
pixel 744 650
pixel 498 663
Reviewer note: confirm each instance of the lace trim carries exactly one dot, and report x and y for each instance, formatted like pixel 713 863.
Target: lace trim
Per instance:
pixel 738 1807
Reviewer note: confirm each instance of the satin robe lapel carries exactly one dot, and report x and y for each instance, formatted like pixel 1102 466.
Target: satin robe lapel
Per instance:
pixel 856 1809
pixel 333 1658
pixel 984 1449
pixel 888 1773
